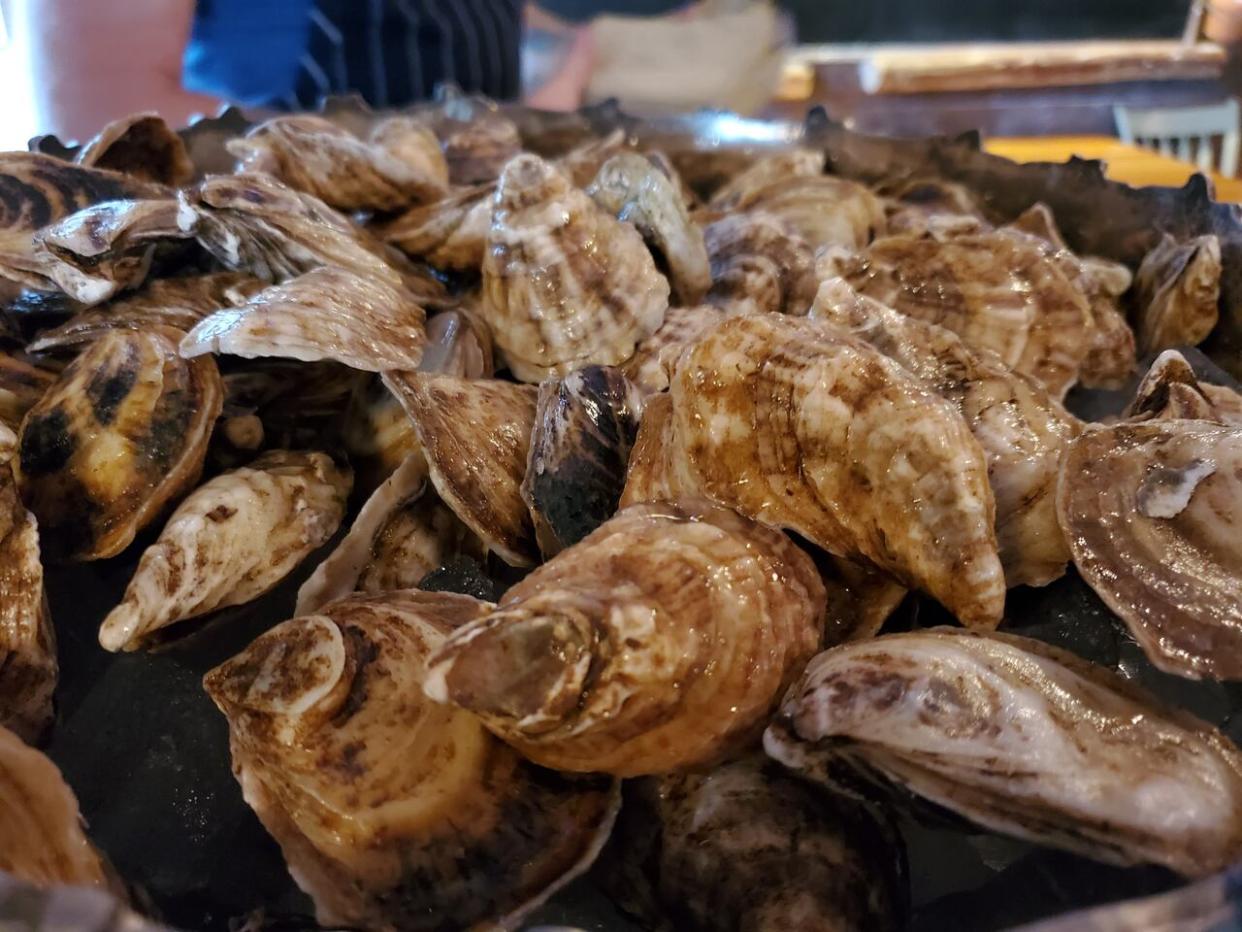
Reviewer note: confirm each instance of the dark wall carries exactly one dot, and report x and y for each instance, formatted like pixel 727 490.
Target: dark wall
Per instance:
pixel 985 20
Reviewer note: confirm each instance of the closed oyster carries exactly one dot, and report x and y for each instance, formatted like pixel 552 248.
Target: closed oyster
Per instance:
pixel 450 233
pixel 475 434
pixel 229 542
pixel 998 291
pixel 477 150
pixel 1021 430
pixel 326 313
pixel 823 210
pixel 564 283
pixel 394 812
pixel 932 206
pixel 399 165
pixel 459 343
pixel 748 847
pixel 41 837
pixel 142 146
pixel 27 641
pixel 1153 513
pixel 1170 389
pixel 742 187
pixel 662 640
pixel 402 533
pixel 799 425
pixel 583 162
pixel 179 303
pixel 585 425
pixel 655 357
pixel 1177 292
pixel 1023 738
pixel 758 266
pixel 23 381
pixel 632 189
pixel 118 437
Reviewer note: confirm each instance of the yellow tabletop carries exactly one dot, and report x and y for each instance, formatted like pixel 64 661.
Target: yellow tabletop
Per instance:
pixel 1123 162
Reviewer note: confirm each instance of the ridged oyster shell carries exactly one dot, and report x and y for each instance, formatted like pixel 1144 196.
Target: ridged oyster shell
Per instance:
pixel 1177 291
pixel 742 187
pixel 823 210
pixel 142 146
pixel 758 265
pixel 450 233
pixel 655 357
pixel 1170 389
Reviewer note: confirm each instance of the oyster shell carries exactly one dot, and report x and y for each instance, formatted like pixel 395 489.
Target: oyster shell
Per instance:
pixel 823 210
pixel 399 165
pixel 860 598
pixel 1153 513
pixel 585 425
pixel 742 187
pixel 394 812
pixel 475 434
pixel 632 189
pixel 1023 738
pixel 1170 389
pixel 758 266
pixel 1021 430
pixel 41 837
pixel 28 664
pixel 231 540
pixel 662 640
pixel 998 291
pixel 23 381
pixel 326 313
pixel 564 283
pixel 655 357
pixel 478 149
pixel 142 146
pixel 117 438
pixel 450 233
pixel 799 425
pixel 932 206
pixel 583 162
pixel 1177 292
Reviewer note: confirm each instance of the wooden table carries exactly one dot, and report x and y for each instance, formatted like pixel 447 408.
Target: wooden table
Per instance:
pixel 1123 162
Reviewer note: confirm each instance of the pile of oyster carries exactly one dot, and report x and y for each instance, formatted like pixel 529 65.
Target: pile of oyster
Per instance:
pixel 690 535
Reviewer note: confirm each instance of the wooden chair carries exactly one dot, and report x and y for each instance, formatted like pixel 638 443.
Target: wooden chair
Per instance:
pixel 1175 132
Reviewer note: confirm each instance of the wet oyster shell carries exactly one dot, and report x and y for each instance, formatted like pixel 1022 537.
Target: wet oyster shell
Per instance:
pixel 119 436
pixel 28 666
pixel 1153 512
pixel 231 540
pixel 399 165
pixel 564 283
pixel 632 189
pixel 323 314
pixel 1021 429
pixel 932 206
pixel 663 640
pixel 142 146
pixel 742 187
pixel 475 434
pixel 800 425
pixel 41 837
pixel 758 266
pixel 823 210
pixel 450 233
pixel 1023 738
pixel 655 357
pixel 585 426
pixel 1177 293
pixel 583 162
pixel 1170 389
pixel 23 381
pixel 394 812
pixel 476 150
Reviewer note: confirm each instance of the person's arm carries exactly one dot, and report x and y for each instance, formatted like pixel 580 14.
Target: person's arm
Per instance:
pixel 95 61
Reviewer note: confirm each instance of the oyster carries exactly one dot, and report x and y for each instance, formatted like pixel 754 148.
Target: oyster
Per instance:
pixel 8 442
pixel 932 206
pixel 800 425
pixel 326 313
pixel 476 150
pixel 1023 738
pixel 449 233
pixel 585 425
pixel 1153 513
pixel 860 598
pixel 664 165
pixel 998 291
pixel 1177 292
pixel 475 434
pixel 399 165
pixel 142 146
pixel 564 283
pixel 823 210
pixel 1021 430
pixel 662 640
pixel 27 640
pixel 655 357
pixel 116 439
pixel 394 812
pixel 758 266
pixel 583 162
pixel 632 189
pixel 748 847
pixel 460 344
pixel 1170 389
pixel 742 187
pixel 41 837
pixel 402 533
pixel 232 540
pixel 23 381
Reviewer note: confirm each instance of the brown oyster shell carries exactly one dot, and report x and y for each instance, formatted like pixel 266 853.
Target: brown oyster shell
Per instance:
pixel 476 150
pixel 142 146
pixel 1152 512
pixel 800 425
pixel 229 542
pixel 391 811
pixel 758 266
pixel 1023 738
pixel 825 211
pixel 475 434
pixel 1170 389
pixel 118 437
pixel 564 283
pixel 450 233
pixel 583 162
pixel 23 380
pixel 1177 293
pixel 742 187
pixel 662 640
pixel 932 206
pixel 655 357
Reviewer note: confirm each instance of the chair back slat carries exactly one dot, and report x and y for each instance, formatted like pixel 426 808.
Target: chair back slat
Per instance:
pixel 1186 133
